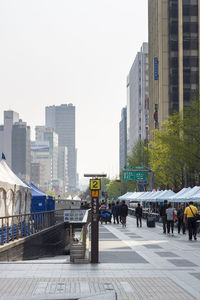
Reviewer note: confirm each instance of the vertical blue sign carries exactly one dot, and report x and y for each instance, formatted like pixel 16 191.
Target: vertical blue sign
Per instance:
pixel 155 68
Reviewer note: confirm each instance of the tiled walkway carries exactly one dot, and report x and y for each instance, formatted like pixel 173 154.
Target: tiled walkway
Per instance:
pixel 136 263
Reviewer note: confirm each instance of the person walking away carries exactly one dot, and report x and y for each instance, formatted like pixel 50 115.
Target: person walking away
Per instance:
pixel 163 215
pixel 113 210
pixel 170 212
pixel 117 210
pixel 180 216
pixel 138 213
pixel 123 213
pixel 189 214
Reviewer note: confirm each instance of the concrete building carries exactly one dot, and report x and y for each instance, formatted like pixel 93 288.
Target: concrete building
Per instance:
pixel 42 134
pixel 63 168
pixel 123 139
pixel 137 94
pixel 21 158
pixel 173 57
pixel 62 120
pixel 10 118
pixel 40 154
pixel 15 144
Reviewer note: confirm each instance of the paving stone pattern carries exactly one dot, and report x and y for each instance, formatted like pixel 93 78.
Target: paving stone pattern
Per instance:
pixel 126 288
pixel 136 263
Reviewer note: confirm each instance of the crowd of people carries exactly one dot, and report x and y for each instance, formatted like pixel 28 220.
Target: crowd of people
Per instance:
pixel 185 217
pixel 118 211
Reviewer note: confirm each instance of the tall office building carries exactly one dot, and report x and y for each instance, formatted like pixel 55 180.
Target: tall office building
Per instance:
pixel 15 144
pixel 123 139
pixel 41 162
pixel 62 120
pixel 137 94
pixel 21 156
pixel 10 118
pixel 174 45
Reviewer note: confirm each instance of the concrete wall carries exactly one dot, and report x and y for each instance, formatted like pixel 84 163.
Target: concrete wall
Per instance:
pixel 49 242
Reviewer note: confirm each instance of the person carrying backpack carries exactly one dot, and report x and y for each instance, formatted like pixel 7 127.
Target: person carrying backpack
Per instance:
pixel 123 213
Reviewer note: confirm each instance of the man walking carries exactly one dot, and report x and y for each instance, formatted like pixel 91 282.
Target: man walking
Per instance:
pixel 138 213
pixel 180 216
pixel 189 214
pixel 170 212
pixel 163 215
pixel 123 213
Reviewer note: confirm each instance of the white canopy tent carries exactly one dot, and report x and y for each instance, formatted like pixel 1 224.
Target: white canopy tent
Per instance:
pixel 185 195
pixel 196 197
pixel 125 196
pixel 175 197
pixel 15 196
pixel 135 196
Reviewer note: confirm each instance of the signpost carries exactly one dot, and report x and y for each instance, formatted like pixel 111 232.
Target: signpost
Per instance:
pixel 138 174
pixel 134 175
pixel 95 186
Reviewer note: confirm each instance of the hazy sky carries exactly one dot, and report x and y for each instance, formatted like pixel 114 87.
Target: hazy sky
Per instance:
pixel 72 51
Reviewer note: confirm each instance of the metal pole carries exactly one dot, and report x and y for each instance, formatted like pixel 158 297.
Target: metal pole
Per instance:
pixel 185 169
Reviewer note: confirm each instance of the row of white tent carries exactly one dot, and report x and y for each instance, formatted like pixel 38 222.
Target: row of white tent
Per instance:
pixel 183 196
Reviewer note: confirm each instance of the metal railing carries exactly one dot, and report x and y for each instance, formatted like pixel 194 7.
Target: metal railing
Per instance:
pixel 19 226
pixel 78 248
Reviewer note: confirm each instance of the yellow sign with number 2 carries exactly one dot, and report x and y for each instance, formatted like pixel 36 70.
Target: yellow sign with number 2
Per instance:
pixel 95 184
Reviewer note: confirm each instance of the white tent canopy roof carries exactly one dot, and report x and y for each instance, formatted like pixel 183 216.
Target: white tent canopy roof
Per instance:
pixel 77 198
pixel 125 196
pixel 176 196
pixel 7 175
pixel 135 196
pixel 186 195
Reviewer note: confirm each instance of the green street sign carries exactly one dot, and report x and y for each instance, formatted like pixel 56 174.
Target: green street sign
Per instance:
pixel 134 175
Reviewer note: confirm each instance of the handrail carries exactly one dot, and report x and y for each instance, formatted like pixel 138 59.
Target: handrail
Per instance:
pixel 22 225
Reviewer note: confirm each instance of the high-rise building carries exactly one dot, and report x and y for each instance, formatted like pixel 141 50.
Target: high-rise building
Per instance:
pixel 21 158
pixel 15 144
pixel 62 120
pixel 43 133
pixel 174 43
pixel 41 161
pixel 137 94
pixel 123 139
pixel 63 168
pixel 10 118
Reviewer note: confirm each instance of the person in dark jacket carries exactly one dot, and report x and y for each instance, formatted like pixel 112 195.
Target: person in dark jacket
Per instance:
pixel 163 215
pixel 123 213
pixel 180 216
pixel 117 209
pixel 138 214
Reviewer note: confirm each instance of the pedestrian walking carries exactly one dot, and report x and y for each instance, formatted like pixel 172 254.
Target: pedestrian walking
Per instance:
pixel 138 214
pixel 123 213
pixel 189 214
pixel 113 211
pixel 170 212
pixel 163 215
pixel 180 216
pixel 117 209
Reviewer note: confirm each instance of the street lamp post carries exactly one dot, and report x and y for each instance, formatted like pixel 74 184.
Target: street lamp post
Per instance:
pixel 184 166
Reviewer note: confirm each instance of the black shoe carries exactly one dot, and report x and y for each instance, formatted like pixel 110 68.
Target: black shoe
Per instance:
pixel 195 238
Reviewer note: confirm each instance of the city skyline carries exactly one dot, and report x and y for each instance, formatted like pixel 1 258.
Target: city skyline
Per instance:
pixel 77 53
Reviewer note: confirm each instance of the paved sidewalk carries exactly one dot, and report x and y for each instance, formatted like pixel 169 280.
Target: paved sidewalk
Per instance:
pixel 136 263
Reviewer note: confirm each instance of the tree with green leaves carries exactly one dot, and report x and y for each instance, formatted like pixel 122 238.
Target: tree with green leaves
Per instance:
pixel 176 144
